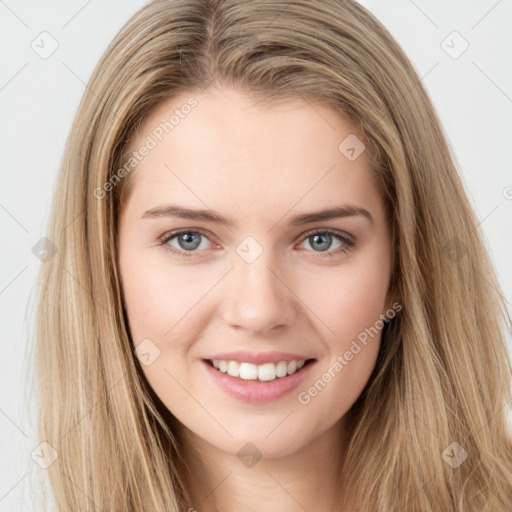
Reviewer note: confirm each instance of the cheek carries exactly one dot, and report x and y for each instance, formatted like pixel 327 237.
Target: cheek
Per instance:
pixel 346 301
pixel 160 299
pixel 165 315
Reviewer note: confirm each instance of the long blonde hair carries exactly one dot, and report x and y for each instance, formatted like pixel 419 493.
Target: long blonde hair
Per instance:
pixel 443 372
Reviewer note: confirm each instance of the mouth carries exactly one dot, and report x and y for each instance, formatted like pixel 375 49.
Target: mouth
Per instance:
pixel 268 372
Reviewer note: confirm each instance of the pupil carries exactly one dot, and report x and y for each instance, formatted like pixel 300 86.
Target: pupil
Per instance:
pixel 325 245
pixel 187 238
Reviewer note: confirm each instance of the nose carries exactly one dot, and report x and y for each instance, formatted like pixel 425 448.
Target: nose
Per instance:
pixel 257 298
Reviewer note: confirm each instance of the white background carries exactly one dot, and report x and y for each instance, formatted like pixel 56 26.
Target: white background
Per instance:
pixel 39 97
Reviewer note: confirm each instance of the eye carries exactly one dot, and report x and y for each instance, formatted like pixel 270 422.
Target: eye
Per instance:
pixel 321 241
pixel 190 241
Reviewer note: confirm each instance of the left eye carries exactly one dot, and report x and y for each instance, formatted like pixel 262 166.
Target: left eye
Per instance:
pixel 189 241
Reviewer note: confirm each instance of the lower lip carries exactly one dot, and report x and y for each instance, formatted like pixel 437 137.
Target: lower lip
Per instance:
pixel 254 390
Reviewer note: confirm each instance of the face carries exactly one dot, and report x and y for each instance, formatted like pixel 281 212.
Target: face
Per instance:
pixel 268 287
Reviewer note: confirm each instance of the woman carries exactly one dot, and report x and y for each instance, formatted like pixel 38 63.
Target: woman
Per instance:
pixel 366 373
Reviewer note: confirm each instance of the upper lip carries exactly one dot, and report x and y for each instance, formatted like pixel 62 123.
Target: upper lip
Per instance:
pixel 244 356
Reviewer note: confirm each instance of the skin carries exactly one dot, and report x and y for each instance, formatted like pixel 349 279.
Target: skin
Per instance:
pixel 259 165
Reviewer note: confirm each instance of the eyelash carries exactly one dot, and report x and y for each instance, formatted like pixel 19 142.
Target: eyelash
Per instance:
pixel 348 244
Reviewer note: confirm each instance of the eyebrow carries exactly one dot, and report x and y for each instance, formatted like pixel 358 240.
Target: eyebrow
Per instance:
pixel 170 210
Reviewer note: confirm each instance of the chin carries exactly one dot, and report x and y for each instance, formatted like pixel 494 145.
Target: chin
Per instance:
pixel 260 444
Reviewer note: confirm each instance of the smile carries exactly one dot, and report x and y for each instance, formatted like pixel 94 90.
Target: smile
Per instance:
pixel 250 384
pixel 264 372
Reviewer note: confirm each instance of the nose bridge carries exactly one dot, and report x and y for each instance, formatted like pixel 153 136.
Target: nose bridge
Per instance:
pixel 256 297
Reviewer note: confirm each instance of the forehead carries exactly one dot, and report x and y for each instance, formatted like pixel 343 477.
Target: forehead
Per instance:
pixel 224 147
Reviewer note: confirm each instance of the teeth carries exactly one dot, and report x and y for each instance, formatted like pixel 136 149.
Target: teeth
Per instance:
pixel 282 369
pixel 233 368
pixel 263 372
pixel 267 371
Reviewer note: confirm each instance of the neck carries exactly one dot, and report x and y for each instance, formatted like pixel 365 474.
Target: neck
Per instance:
pixel 306 479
